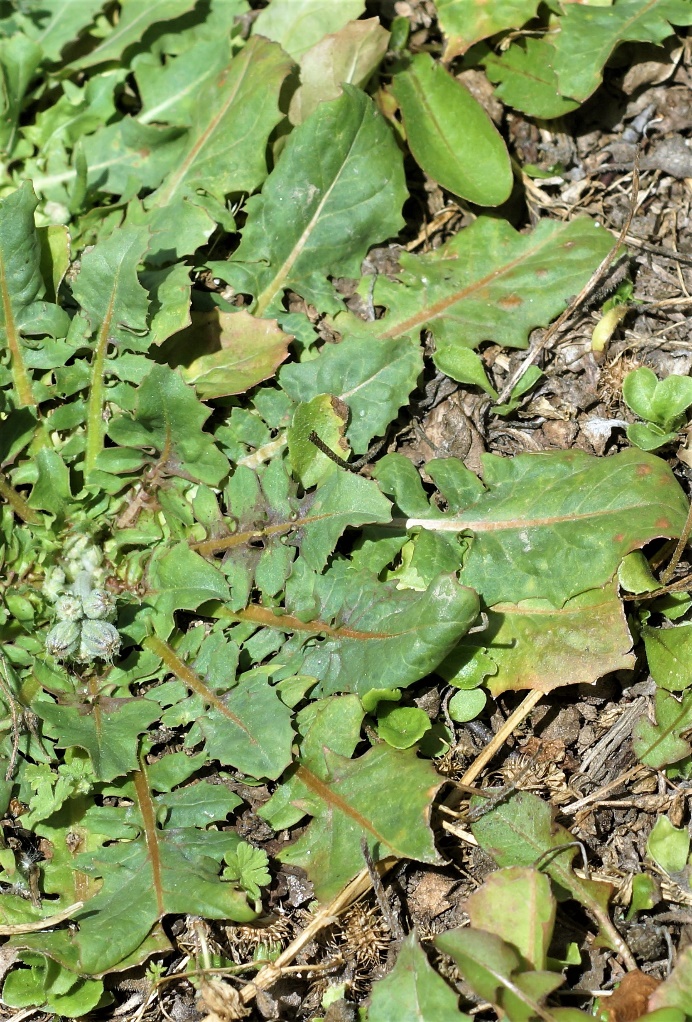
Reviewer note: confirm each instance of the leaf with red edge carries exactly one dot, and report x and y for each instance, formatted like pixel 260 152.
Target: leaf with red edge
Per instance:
pixel 231 352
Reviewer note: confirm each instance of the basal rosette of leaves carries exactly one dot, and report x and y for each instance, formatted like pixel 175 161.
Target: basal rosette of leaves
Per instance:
pixel 248 599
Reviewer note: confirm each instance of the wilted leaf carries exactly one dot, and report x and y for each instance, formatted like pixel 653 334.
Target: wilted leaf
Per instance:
pixel 465 22
pixel 299 24
pixel 450 135
pixel 536 645
pixel 239 351
pixel 350 55
pixel 517 904
pixel 521 831
pixel 495 971
pixel 630 998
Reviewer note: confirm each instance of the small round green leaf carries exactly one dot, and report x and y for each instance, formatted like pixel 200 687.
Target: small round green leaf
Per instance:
pixel 467 704
pixel 402 726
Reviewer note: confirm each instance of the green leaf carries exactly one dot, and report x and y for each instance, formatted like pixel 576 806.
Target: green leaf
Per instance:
pixel 64 23
pixel 660 744
pixel 668 846
pixel 319 217
pixel 488 282
pixel 249 867
pixel 464 366
pixel 648 438
pixel 182 580
pixel 520 831
pixel 116 306
pixel 638 390
pixel 350 55
pixel 162 870
pixel 344 500
pixel 326 416
pixel 20 57
pixel 345 801
pixel 527 80
pixel 299 24
pixel 248 728
pixel 588 36
pixel 107 728
pixel 374 380
pixel 169 418
pixel 517 904
pixel 133 22
pixel 233 116
pixel 450 135
pixel 494 970
pixel 386 638
pixel 21 285
pixel 465 23
pixel 534 644
pixel 242 352
pixel 467 704
pixel 669 654
pixel 51 987
pixel 553 525
pixel 51 491
pixel 413 991
pixel 402 726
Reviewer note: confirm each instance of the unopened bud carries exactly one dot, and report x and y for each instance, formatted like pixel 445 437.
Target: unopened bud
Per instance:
pixel 69 608
pixel 62 640
pixel 100 640
pixel 99 605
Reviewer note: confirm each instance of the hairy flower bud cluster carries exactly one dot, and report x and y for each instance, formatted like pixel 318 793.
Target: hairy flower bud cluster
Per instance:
pixel 83 631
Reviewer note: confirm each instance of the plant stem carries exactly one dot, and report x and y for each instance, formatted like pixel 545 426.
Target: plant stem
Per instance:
pixel 18 504
pixel 95 427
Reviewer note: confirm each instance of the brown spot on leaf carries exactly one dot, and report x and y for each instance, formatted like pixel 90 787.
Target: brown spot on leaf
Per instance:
pixel 541 272
pixel 643 470
pixel 662 523
pixel 568 244
pixel 618 537
pixel 510 302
